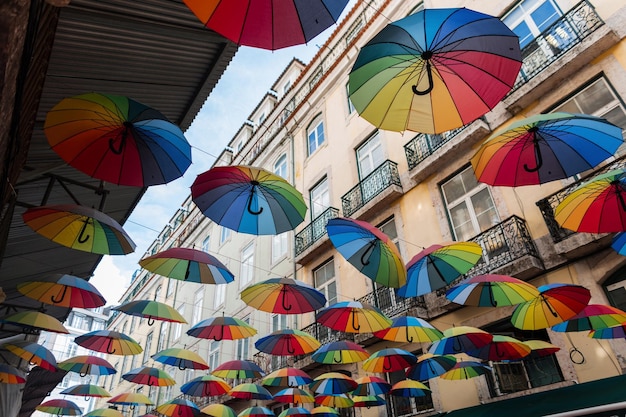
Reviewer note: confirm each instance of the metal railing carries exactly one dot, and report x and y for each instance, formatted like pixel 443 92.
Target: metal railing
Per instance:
pixel 375 183
pixel 423 145
pixel 325 334
pixel 392 305
pixel 314 231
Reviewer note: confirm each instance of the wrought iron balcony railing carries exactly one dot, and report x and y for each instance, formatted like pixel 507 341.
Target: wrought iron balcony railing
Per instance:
pixel 314 231
pixel 371 186
pixel 423 145
pixel 325 334
pixel 391 304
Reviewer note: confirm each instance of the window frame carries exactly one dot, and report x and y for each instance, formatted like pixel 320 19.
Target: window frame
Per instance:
pixel 369 155
pixel 281 165
pixel 314 128
pixel 198 303
pixel 246 274
pixel 323 287
pixel 314 202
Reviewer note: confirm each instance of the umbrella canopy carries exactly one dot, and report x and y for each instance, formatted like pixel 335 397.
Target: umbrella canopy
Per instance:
pixel 205 386
pixel 460 339
pixel 188 264
pixel 117 139
pixel 439 265
pixel 502 348
pixel 342 351
pixel 152 310
pixel 149 375
pixel 334 401
pixel 218 410
pixel 389 360
pixel 287 377
pixel 130 398
pixel 616 332
pixel 248 200
pixel 430 366
pixel 283 296
pixel 540 348
pixel 238 369
pixel 11 375
pixel 295 412
pixel 80 228
pixel 294 396
pixel 323 411
pixel 554 304
pixel 332 383
pixel 371 385
pixel 64 291
pixel 545 147
pixel 86 390
pixel 60 407
pixel 181 358
pixel 249 391
pixel 87 365
pixel 35 320
pixel 109 341
pixel 492 290
pixel 466 370
pixel 287 342
pixel 409 388
pixel 221 328
pixel 104 412
pixel 353 317
pixel 592 317
pixel 435 70
pixel 256 412
pixel 268 25
pixel 410 330
pixel 368 401
pixel 33 353
pixel 619 243
pixel 368 249
pixel 178 407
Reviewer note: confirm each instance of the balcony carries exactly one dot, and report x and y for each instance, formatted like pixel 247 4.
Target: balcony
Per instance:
pixel 312 239
pixel 376 190
pixel 324 335
pixel 392 305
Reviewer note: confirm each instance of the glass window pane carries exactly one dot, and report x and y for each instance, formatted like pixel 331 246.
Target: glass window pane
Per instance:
pixel 453 189
pixel 594 97
pixel 616 116
pixel 523 32
pixel 544 15
pixel 462 222
pixel 484 209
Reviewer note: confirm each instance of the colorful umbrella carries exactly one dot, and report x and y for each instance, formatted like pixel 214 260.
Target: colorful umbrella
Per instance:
pixel 466 370
pixel 540 348
pixel 109 341
pixel 205 386
pixel 35 320
pixel 353 317
pixel 268 25
pixel 256 412
pixel 178 407
pixel 460 339
pixel 11 375
pixel 389 360
pixel 596 206
pixel 491 291
pixel 502 348
pixel 86 390
pixel 409 388
pixel 249 391
pixel 294 396
pixel 59 407
pixel 430 366
pixel 371 385
pixel 295 412
pixel 188 265
pixel 149 375
pixel 342 351
pixel 323 411
pixel 368 401
pixel 64 291
pixel 368 249
pixel 410 330
pixel 287 377
pixel 218 410
pixel 221 328
pixel 619 243
pixel 79 228
pixel 87 365
pixel 181 358
pixel 334 401
pixel 104 412
pixel 283 296
pixel 130 398
pixel 287 342
pixel 616 332
pixel 152 310
pixel 435 70
pixel 439 265
pixel 332 383
pixel 545 147
pixel 592 317
pixel 117 139
pixel 238 369
pixel 554 304
pixel 33 353
pixel 248 200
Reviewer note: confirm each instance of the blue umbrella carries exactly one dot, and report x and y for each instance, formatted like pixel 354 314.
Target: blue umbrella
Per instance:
pixel 430 366
pixel 619 243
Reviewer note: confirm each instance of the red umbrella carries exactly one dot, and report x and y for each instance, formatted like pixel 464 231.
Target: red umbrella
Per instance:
pixel 389 360
pixel 502 348
pixel 353 317
pixel 63 290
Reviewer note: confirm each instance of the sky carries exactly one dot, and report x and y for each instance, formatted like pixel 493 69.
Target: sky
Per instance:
pixel 246 80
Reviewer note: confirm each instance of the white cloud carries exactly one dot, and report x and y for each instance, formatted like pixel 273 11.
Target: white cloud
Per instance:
pixel 110 280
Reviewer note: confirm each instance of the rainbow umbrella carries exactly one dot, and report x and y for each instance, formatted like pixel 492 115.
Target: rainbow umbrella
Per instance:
pixel 619 243
pixel 295 412
pixel 152 310
pixel 33 353
pixel 460 339
pixel 181 358
pixel 331 383
pixel 80 228
pixel 491 291
pixel 130 398
pixel 353 317
pixel 59 407
pixel 117 140
pixel 368 401
pixel 283 296
pixel 555 304
pixel 87 365
pixel 256 412
pixel 439 265
pixel 334 401
pixel 178 407
pixel 287 377
pixel 466 370
pixel 218 410
pixel 430 366
pixel 389 360
pixel 104 412
pixel 109 341
pixel 540 348
pixel 11 375
pixel 502 348
pixel 371 385
pixel 250 391
pixel 287 342
pixel 188 264
pixel 86 390
pixel 410 330
pixel 434 70
pixel 238 369
pixel 545 147
pixel 323 411
pixel 342 351
pixel 615 332
pixel 596 206
pixel 248 200
pixel 205 386
pixel 149 375
pixel 408 388
pixel 221 328
pixel 294 396
pixel 64 291
pixel 35 320
pixel 592 317
pixel 368 249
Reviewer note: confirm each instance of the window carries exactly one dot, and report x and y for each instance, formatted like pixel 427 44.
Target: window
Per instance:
pixel 224 234
pixel 157 292
pixel 247 265
pixel 315 135
pixel 531 17
pixel 320 198
pixel 196 314
pixel 279 322
pixel 214 354
pixel 369 155
pixel 178 330
pixel 403 406
pixel 280 167
pixel 170 288
pixel 219 296
pixel 163 335
pixel 470 206
pixel 324 281
pixel 243 345
pixel 205 244
pixel 350 105
pixel 286 87
pixel 146 348
pixel 279 246
pixel 261 118
pixel 615 288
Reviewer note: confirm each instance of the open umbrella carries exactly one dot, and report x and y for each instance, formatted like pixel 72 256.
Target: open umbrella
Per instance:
pixel 283 296
pixel 294 396
pixel 596 206
pixel 502 348
pixel 615 332
pixel 87 365
pixel 81 228
pixel 460 339
pixel 491 290
pixel 33 353
pixel 152 310
pixel 117 139
pixel 188 264
pixel 430 366
pixel 59 407
pixel 287 377
pixel 342 351
pixel 109 341
pixel 371 385
pixel 466 370
pixel 353 317
pixel 287 342
pixel 63 290
pixel 238 369
pixel 149 375
pixel 268 25
pixel 435 70
pixel 11 375
pixel 104 412
pixel 408 388
pixel 540 348
pixel 592 317
pixel 323 411
pixel 218 410
pixel 87 391
pixel 35 320
pixel 250 391
pixel 205 386
pixel 295 412
pixel 248 200
pixel 619 243
pixel 439 265
pixel 178 407
pixel 331 383
pixel 368 249
pixel 545 147
pixel 181 358
pixel 389 360
pixel 334 400
pixel 410 330
pixel 368 401
pixel 130 398
pixel 256 411
pixel 221 328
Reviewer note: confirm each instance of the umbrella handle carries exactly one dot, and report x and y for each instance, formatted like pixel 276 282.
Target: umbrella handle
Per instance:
pixel 82 237
pixel 284 291
pixel 538 156
pixel 429 72
pixel 221 334
pixel 82 374
pixel 252 190
pixel 498 353
pixel 456 345
pixel 385 361
pixel 56 301
pixel 290 348
pixel 618 191
pixel 120 148
pixel 492 299
pixel 150 320
pixel 109 350
pixel 340 355
pixel 543 298
pixel 354 322
pixel 409 338
pixel 368 252
pixel 181 365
